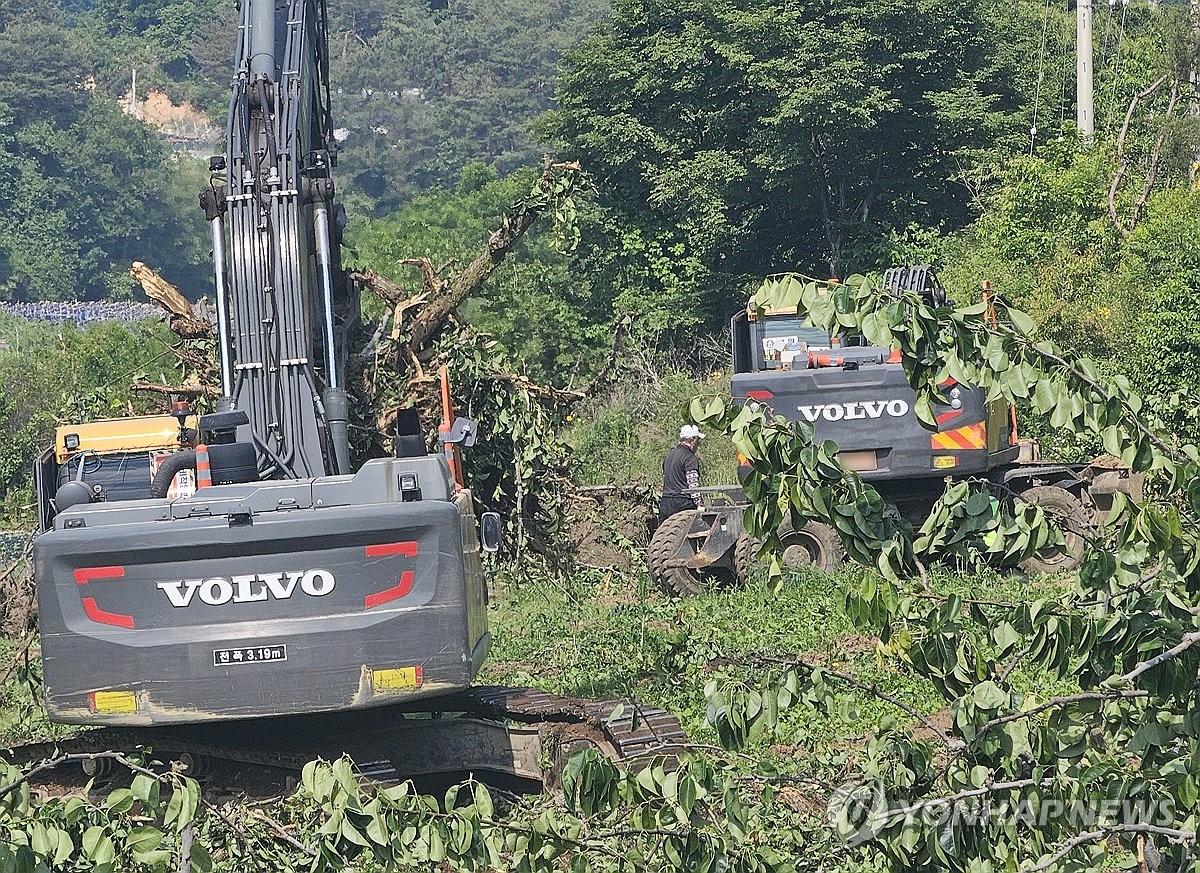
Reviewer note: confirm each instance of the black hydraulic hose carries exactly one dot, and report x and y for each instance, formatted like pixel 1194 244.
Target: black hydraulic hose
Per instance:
pixel 167 470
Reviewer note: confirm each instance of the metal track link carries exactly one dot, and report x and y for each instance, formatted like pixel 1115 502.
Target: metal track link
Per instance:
pixel 485 729
pixel 635 730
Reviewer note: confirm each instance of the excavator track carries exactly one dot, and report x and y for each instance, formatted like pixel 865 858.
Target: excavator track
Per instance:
pixel 520 736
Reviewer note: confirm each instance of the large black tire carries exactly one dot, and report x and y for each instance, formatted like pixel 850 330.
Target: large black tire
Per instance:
pixel 1073 518
pixel 816 545
pixel 670 543
pixel 745 551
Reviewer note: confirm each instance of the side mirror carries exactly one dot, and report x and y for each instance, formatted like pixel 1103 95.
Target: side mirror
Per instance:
pixel 491 531
pixel 462 433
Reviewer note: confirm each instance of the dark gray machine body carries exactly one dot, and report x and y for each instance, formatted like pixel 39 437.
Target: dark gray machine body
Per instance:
pixel 263 598
pixel 309 586
pixel 854 397
pixel 858 397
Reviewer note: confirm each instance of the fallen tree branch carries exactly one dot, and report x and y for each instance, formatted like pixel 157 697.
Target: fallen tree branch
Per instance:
pixel 869 687
pixel 440 297
pixel 1091 836
pixel 1058 702
pixel 187 390
pixel 15 661
pixel 183 321
pixel 1175 651
pixel 282 833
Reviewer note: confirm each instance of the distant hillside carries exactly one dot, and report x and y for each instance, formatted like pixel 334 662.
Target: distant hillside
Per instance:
pixel 422 87
pixel 88 189
pixel 422 93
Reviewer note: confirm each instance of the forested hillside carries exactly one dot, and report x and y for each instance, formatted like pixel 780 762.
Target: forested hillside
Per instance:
pixel 721 142
pixel 420 93
pixel 942 705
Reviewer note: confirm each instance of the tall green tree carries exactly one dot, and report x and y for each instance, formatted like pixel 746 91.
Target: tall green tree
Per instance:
pixel 730 139
pixel 88 189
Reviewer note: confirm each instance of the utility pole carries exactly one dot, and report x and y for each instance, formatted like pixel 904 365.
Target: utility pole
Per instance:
pixel 133 91
pixel 1085 115
pixel 1194 7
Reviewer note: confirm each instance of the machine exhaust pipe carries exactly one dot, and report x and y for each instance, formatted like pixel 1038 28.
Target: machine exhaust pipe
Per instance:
pixel 337 419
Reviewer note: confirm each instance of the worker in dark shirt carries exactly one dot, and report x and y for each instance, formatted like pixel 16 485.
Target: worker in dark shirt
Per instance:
pixel 681 475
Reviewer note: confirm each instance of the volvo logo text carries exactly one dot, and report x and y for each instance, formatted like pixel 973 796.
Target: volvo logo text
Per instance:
pixel 852 411
pixel 248 589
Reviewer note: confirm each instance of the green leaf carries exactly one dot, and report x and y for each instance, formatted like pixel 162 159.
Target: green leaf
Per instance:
pixel 144 840
pixel 988 695
pixel 144 786
pixel 483 801
pixel 437 847
pixel 120 800
pixel 201 860
pixel 924 411
pixel 1022 322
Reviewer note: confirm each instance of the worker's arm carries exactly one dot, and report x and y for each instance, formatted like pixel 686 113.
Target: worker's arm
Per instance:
pixel 693 480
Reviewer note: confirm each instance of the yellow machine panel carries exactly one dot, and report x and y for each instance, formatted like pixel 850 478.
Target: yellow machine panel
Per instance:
pixel 999 425
pixel 119 435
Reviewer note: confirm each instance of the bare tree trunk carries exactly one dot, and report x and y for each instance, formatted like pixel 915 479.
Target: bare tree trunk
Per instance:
pixel 429 318
pixel 1122 160
pixel 440 297
pixel 832 238
pixel 868 201
pixel 166 295
pixel 1155 159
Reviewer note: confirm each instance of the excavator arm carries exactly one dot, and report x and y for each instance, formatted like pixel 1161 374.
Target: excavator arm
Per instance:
pixel 276 231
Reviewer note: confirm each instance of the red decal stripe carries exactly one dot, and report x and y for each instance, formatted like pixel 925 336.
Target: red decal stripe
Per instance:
pixel 85 575
pixel 98 615
pixel 394 593
pixel 960 438
pixel 946 416
pixel 759 395
pixel 409 550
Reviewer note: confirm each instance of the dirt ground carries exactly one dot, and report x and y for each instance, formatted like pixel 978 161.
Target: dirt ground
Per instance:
pixel 611 530
pixel 184 121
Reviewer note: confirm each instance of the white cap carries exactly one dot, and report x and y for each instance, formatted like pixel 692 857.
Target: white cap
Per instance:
pixel 690 432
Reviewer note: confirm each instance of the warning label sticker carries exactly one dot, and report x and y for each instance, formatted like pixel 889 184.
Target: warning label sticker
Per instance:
pixel 249 655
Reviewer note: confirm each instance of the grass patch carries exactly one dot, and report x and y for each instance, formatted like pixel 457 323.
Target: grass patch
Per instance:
pixel 603 634
pixel 22 717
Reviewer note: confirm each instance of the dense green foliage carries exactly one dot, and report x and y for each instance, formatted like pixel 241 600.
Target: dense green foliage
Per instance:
pixel 420 93
pixel 86 189
pixel 426 88
pixel 730 140
pixel 1128 299
pixel 57 373
pixel 1117 759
